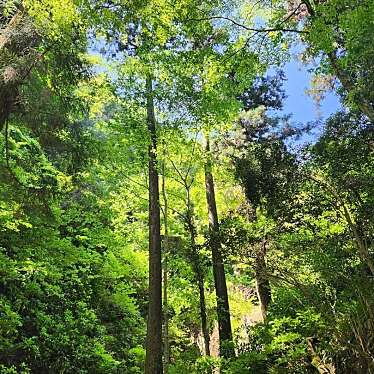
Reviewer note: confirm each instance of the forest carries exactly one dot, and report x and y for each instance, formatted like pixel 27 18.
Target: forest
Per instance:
pixel 163 210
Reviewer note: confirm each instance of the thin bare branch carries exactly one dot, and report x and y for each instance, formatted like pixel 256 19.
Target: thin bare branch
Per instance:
pixel 257 30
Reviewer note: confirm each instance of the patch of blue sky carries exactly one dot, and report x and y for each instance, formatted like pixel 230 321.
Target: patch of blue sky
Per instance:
pixel 302 107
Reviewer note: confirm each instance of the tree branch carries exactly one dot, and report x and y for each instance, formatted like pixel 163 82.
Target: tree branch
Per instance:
pixel 257 30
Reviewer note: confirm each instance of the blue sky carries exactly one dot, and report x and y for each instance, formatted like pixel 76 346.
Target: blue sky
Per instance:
pixel 302 106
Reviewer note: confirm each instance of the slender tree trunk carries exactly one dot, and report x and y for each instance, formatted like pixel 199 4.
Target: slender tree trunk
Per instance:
pixel 198 274
pixel 166 317
pixel 166 254
pixel 153 361
pixel 262 282
pixel 223 310
pixel 203 316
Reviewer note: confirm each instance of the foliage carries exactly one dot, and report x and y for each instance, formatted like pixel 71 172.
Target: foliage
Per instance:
pixel 74 191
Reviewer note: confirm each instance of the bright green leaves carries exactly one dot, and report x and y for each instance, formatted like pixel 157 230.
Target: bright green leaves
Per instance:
pixel 11 217
pixel 55 19
pixel 30 166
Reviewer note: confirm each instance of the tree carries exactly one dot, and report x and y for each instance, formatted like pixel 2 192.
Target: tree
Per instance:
pixel 223 309
pixel 186 176
pixel 154 330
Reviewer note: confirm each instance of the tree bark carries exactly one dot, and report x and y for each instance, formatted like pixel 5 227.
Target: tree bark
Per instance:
pixel 153 361
pixel 262 282
pixel 223 310
pixel 165 278
pixel 198 274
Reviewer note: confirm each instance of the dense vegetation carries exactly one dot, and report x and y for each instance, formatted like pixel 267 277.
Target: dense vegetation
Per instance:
pixel 159 210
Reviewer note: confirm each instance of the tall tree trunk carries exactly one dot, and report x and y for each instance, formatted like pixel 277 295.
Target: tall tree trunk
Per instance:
pixel 223 310
pixel 165 278
pixel 262 282
pixel 153 361
pixel 198 274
